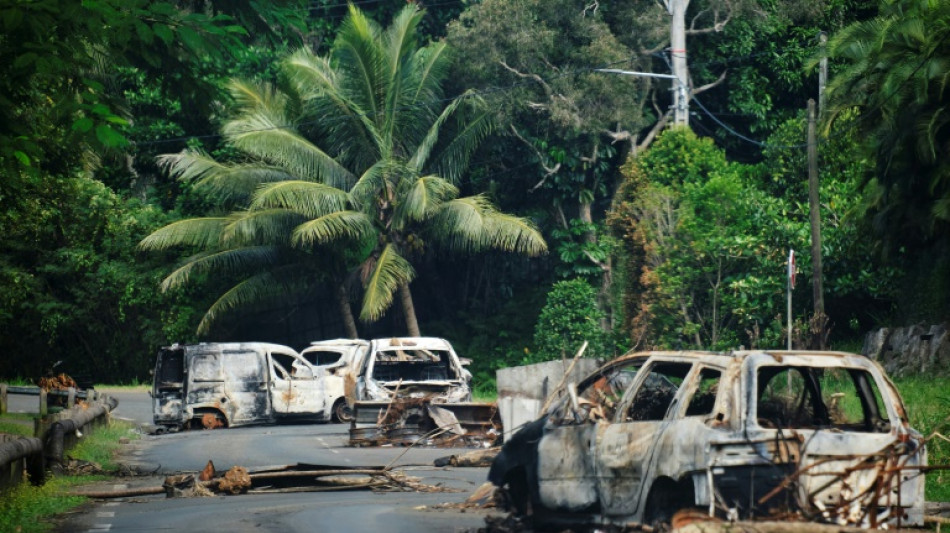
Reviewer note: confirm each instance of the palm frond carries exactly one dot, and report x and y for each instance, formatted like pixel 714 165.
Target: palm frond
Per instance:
pixel 200 232
pixel 472 224
pixel 371 183
pixel 227 183
pixel 421 155
pixel 358 55
pixel 334 113
pixel 255 290
pixel 328 228
pixel 452 158
pixel 310 199
pixel 260 135
pixel 261 226
pixel 422 200
pixel 251 96
pixel 234 261
pixel 389 272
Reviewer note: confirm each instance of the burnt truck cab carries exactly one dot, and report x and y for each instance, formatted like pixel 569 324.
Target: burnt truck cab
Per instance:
pixel 742 434
pixel 235 384
pixel 412 367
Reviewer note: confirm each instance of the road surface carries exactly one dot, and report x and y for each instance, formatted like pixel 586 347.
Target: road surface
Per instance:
pixel 323 444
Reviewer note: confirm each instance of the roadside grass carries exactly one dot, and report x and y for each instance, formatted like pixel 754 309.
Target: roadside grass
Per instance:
pixel 17 424
pixel 27 509
pixel 927 399
pixel 133 386
pixel 481 395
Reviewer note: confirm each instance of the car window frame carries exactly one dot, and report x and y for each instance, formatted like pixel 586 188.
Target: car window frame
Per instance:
pixel 627 399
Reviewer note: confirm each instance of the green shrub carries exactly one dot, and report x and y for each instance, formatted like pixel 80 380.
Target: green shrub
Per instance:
pixel 569 318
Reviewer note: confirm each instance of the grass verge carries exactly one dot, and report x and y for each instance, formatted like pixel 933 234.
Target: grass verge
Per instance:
pixel 27 509
pixel 927 399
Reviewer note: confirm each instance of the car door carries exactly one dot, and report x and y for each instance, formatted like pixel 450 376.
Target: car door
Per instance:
pixel 297 388
pixel 567 478
pixel 624 449
pixel 244 380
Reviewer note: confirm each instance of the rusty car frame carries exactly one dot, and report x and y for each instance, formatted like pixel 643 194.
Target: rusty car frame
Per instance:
pixel 746 434
pixel 235 384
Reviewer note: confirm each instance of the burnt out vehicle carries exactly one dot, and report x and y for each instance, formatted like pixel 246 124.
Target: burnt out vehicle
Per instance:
pixel 235 384
pixel 340 360
pixel 741 434
pixel 419 367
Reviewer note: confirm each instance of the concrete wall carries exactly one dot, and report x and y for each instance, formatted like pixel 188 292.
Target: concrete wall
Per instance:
pixel 522 390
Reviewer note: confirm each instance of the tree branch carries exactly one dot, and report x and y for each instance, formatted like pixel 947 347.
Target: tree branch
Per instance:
pixel 548 170
pixel 535 77
pixel 702 88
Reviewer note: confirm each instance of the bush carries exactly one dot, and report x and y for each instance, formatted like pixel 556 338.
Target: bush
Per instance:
pixel 569 318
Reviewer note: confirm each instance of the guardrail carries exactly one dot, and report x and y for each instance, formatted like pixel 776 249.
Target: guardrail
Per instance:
pixel 53 433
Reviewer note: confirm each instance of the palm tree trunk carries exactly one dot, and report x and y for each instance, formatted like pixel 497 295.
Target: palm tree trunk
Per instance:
pixel 409 310
pixel 346 312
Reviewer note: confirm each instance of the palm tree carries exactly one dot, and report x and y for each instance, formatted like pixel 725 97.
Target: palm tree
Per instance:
pixel 359 152
pixel 895 72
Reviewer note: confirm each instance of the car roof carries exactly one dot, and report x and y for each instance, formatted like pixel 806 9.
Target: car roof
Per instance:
pixel 733 356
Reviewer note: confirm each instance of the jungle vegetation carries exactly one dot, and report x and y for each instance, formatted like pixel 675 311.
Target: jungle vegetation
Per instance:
pixel 298 170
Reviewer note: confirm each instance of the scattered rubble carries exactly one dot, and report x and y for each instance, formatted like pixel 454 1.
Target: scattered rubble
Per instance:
pixel 291 478
pixel 409 421
pixel 477 458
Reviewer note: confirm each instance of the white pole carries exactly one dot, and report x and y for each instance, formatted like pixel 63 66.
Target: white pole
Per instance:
pixel 790 284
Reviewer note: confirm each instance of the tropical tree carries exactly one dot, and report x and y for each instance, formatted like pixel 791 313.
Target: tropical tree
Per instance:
pixel 359 152
pixel 895 71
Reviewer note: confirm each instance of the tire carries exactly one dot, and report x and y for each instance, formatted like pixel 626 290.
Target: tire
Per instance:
pixel 342 412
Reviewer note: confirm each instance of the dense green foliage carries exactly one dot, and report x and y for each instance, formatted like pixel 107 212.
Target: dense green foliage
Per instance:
pixel 682 237
pixel 568 319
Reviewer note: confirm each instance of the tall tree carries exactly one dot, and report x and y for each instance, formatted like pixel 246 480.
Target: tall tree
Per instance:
pixel 363 152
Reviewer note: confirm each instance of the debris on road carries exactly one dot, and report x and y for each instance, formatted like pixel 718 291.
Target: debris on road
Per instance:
pixel 477 458
pixel 282 479
pixel 411 421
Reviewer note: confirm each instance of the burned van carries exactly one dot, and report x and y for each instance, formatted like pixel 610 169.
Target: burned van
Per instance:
pixel 234 384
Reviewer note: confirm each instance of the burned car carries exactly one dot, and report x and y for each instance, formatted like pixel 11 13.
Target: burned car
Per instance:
pixel 744 434
pixel 413 367
pixel 234 384
pixel 340 360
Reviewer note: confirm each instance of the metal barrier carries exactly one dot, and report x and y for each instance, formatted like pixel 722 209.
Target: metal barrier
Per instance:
pixel 53 434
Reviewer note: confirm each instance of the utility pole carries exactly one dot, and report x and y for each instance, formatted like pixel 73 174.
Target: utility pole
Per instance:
pixel 815 218
pixel 677 10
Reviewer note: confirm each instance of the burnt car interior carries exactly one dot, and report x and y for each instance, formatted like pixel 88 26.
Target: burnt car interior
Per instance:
pixel 413 365
pixel 844 399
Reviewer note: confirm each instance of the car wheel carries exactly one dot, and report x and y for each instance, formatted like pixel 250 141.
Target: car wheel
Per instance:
pixel 342 412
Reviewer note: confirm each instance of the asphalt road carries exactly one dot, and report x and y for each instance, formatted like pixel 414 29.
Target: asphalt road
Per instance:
pixel 322 444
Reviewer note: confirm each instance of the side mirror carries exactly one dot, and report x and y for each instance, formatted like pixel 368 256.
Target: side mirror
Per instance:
pixel 465 361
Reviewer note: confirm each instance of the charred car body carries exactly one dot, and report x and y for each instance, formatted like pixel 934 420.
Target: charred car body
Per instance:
pixel 235 384
pixel 340 360
pixel 419 367
pixel 740 434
